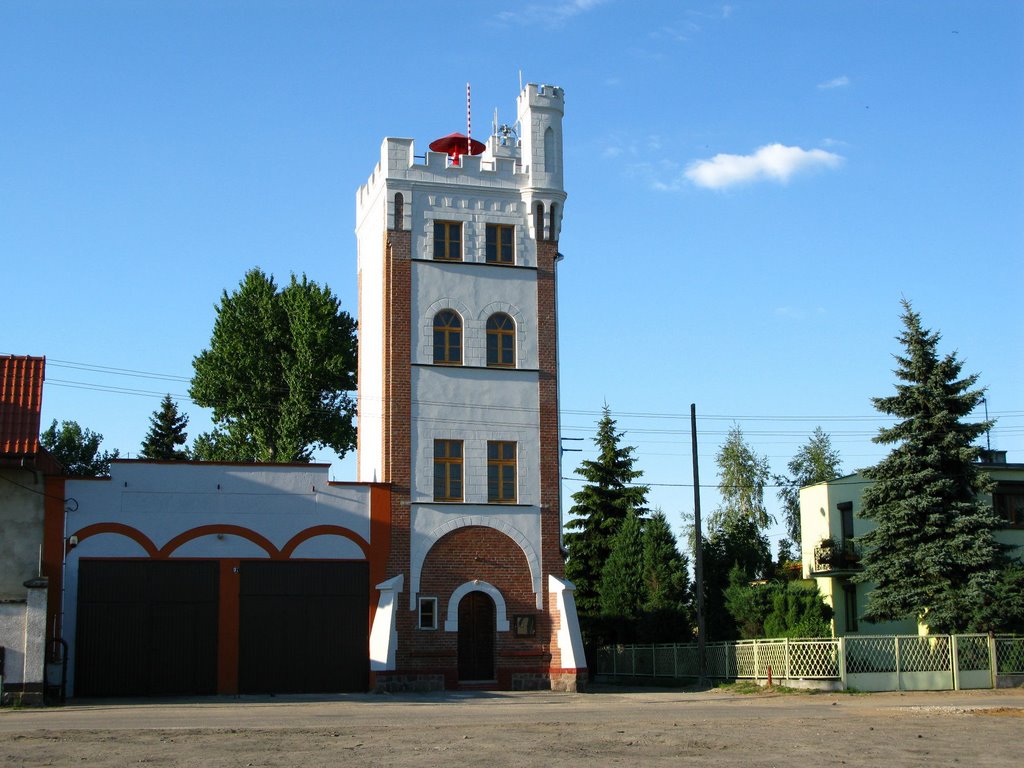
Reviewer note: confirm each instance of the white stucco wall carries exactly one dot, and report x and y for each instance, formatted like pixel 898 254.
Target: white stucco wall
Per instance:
pixel 244 504
pixel 476 292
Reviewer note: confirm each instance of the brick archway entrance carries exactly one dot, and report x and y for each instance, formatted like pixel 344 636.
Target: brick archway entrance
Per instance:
pixel 476 637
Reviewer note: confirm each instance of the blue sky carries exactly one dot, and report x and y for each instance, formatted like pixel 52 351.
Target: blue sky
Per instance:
pixel 753 187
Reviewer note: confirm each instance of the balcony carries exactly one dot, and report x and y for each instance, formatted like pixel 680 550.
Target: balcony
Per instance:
pixel 836 558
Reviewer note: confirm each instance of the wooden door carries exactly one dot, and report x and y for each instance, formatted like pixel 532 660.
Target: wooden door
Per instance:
pixel 476 637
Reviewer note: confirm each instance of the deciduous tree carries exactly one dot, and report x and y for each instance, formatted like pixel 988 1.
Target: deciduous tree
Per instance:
pixel 816 462
pixel 77 449
pixel 743 476
pixel 278 372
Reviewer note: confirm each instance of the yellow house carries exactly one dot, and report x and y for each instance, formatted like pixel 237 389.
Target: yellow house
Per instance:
pixel 831 527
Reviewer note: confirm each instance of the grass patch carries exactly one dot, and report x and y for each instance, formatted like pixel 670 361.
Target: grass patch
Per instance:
pixel 748 687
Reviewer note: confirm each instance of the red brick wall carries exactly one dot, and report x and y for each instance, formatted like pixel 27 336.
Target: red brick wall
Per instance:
pixel 464 555
pixel 550 473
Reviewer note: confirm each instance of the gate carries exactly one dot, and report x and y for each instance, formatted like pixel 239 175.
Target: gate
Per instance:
pixel 303 627
pixel 146 628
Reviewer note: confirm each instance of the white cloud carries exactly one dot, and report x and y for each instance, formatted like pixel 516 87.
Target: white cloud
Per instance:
pixel 836 82
pixel 774 162
pixel 548 13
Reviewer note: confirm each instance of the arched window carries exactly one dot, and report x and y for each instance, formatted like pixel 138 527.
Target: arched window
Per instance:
pixel 501 341
pixel 549 151
pixel 538 221
pixel 447 338
pixel 399 211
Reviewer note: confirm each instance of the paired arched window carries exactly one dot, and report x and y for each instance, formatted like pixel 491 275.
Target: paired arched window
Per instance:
pixel 447 338
pixel 501 341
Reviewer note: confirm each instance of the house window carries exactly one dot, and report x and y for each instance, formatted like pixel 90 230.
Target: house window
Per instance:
pixel 850 606
pixel 428 613
pixel 501 472
pixel 846 519
pixel 448 241
pixel 501 244
pixel 447 470
pixel 447 338
pixel 1008 501
pixel 501 341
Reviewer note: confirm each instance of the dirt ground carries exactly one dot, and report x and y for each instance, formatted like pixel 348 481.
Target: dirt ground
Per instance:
pixel 604 727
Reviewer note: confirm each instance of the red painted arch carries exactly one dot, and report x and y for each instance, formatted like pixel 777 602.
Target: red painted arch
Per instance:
pixel 325 530
pixel 210 530
pixel 120 528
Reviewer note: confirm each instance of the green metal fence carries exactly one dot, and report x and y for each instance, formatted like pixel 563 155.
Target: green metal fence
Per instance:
pixel 892 662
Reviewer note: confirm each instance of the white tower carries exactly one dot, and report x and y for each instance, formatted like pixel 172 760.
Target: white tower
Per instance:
pixel 458 407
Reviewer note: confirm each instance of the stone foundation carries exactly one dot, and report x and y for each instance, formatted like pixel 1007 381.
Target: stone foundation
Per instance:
pixel 388 683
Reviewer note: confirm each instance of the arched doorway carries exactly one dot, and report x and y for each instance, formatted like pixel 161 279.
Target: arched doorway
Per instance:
pixel 476 637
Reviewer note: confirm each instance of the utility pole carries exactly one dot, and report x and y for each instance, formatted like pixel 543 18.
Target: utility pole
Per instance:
pixel 698 555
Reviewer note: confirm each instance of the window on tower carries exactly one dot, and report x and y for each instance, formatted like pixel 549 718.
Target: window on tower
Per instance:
pixel 447 470
pixel 501 472
pixel 447 338
pixel 448 241
pixel 501 341
pixel 501 244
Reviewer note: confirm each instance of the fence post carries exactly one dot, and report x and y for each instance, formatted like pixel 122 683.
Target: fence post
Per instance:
pixel 654 660
pixel 899 675
pixel 842 662
pixel 785 646
pixel 954 658
pixel 993 659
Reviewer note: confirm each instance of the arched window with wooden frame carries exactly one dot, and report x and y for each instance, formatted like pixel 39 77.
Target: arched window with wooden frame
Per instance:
pixel 501 341
pixel 447 338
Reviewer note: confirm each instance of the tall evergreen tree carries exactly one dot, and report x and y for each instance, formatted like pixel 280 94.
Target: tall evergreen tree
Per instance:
pixel 77 449
pixel 166 433
pixel 816 462
pixel 665 570
pixel 599 508
pixel 622 591
pixel 932 553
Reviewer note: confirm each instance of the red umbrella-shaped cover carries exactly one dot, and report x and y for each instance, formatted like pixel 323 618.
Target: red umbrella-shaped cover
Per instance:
pixel 456 144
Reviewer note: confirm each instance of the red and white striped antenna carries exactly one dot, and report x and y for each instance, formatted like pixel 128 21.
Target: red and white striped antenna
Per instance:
pixel 469 128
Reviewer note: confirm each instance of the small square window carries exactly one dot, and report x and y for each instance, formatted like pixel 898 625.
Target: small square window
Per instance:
pixel 524 625
pixel 501 244
pixel 428 613
pixel 447 241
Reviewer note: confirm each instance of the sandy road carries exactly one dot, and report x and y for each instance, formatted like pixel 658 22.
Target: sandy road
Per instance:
pixel 610 727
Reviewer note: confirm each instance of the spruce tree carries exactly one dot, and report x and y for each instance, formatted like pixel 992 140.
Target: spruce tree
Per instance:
pixel 932 554
pixel 665 570
pixel 166 433
pixel 622 590
pixel 598 511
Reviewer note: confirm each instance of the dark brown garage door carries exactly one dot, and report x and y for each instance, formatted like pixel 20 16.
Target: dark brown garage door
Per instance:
pixel 146 628
pixel 304 627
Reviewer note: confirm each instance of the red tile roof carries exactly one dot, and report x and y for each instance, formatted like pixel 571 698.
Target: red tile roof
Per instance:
pixel 21 398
